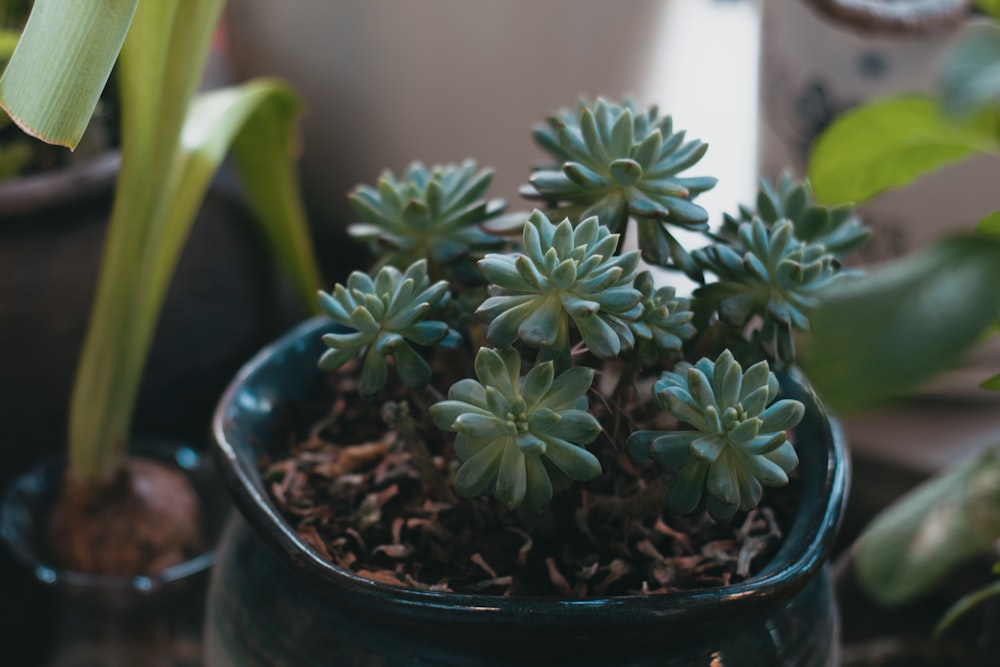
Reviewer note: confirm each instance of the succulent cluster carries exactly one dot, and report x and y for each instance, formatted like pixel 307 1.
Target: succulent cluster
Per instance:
pixel 837 228
pixel 426 214
pixel 520 437
pixel 617 163
pixel 564 273
pixel 737 444
pixel 383 317
pixel 568 303
pixel 770 274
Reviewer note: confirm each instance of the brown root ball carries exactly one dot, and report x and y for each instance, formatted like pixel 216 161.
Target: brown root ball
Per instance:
pixel 146 520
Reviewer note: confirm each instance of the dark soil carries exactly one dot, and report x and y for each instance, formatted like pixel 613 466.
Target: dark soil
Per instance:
pixel 347 475
pixel 146 520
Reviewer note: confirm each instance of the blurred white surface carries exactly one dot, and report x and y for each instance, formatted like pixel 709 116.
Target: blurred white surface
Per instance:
pixel 389 81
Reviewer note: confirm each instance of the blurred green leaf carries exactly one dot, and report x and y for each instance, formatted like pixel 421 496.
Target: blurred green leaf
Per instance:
pixel 991 7
pixel 8 42
pixel 891 143
pixel 911 546
pixel 990 225
pixel 993 384
pixel 875 337
pixel 965 605
pixel 58 71
pixel 970 73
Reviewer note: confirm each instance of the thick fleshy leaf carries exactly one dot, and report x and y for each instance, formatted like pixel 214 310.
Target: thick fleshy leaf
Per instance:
pixel 875 338
pixel 478 472
pixel 575 462
pixel 576 426
pixel 891 143
pixel 412 368
pixel 512 477
pixel 445 413
pixel 479 425
pixel 687 488
pixel 538 491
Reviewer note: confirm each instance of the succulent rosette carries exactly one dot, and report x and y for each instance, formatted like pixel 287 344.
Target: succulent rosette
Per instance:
pixel 384 317
pixel 770 274
pixel 564 274
pixel 736 442
pixel 837 228
pixel 665 323
pixel 520 438
pixel 432 213
pixel 615 162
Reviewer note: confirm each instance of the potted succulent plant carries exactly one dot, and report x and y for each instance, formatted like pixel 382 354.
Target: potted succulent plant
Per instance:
pixel 114 527
pixel 507 445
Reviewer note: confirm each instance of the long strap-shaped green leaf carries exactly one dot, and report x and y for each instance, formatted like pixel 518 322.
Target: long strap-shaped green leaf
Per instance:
pixel 51 86
pixel 163 178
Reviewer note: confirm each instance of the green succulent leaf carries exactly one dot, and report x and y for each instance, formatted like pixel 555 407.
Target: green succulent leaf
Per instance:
pixel 737 444
pixel 916 317
pixel 890 143
pixel 564 274
pixel 614 162
pixel 518 436
pixel 383 317
pixel 433 213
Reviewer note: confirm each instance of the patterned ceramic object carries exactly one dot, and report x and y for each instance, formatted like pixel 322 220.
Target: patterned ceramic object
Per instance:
pixel 275 602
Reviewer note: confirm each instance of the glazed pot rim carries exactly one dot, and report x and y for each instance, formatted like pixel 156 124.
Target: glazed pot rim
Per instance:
pixel 785 575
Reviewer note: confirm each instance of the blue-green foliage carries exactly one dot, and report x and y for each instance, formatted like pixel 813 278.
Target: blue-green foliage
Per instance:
pixel 427 213
pixel 770 274
pixel 735 443
pixel 564 274
pixel 520 438
pixel 385 315
pixel 615 162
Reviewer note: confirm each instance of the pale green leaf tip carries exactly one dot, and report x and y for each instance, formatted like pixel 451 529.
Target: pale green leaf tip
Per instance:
pixel 71 141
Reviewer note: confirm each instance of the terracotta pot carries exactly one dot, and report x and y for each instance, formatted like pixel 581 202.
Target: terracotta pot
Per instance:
pixel 273 601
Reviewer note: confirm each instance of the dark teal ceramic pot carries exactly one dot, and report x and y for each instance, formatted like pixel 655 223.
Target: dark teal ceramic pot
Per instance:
pixel 274 602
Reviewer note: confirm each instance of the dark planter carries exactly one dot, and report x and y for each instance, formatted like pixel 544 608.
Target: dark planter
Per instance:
pixel 274 602
pixel 222 306
pixel 90 619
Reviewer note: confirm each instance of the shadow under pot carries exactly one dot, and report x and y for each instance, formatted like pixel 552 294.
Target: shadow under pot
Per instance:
pixel 274 601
